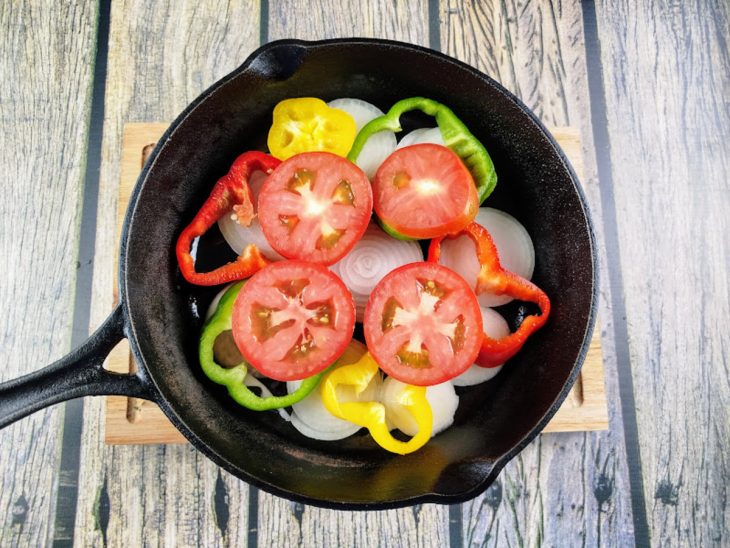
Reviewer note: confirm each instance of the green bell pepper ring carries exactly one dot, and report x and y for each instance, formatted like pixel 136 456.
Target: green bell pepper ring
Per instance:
pixel 455 134
pixel 232 378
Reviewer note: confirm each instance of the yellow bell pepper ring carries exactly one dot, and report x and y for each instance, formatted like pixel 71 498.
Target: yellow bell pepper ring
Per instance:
pixel 308 124
pixel 371 415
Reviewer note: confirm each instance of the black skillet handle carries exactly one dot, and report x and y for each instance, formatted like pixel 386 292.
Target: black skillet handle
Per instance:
pixel 80 373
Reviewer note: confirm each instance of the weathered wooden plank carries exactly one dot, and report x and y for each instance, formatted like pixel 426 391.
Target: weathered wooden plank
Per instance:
pixel 563 489
pixel 667 84
pixel 316 20
pixel 45 101
pixel 282 523
pixel 161 55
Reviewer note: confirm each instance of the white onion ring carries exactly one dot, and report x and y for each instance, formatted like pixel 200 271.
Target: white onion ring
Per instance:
pixel 306 429
pixel 441 397
pixel 312 418
pixel 496 327
pixel 514 247
pixel 380 145
pixel 215 302
pixel 253 382
pixel 374 256
pixel 421 136
pixel 238 236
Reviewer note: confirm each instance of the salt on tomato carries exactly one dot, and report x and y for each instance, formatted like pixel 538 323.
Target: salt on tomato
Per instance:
pixel 424 191
pixel 423 324
pixel 293 319
pixel 315 206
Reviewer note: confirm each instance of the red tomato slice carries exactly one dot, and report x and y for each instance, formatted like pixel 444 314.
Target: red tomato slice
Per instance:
pixel 293 319
pixel 424 191
pixel 423 324
pixel 315 206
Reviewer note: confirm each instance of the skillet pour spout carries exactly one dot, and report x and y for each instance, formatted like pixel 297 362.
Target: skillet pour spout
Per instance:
pixel 161 314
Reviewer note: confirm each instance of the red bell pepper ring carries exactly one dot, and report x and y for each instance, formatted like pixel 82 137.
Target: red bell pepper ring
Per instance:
pixel 494 279
pixel 231 192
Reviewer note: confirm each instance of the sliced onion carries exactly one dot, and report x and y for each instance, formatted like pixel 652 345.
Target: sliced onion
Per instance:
pixel 215 302
pixel 460 255
pixel 239 236
pixel 311 417
pixel 361 111
pixel 253 382
pixel 496 327
pixel 380 145
pixel 422 136
pixel 374 256
pixel 348 429
pixel 514 246
pixel 442 398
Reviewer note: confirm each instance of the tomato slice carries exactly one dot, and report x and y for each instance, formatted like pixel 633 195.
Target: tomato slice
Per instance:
pixel 423 324
pixel 424 191
pixel 293 319
pixel 315 207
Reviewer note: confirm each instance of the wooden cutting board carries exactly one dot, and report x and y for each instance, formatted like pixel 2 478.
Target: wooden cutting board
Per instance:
pixel 135 421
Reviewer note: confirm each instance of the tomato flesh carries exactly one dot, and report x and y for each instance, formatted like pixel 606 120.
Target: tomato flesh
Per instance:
pixel 315 207
pixel 424 191
pixel 423 324
pixel 293 319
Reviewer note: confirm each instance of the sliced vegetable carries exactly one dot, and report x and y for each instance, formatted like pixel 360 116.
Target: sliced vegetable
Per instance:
pixel 422 324
pixel 455 134
pixel 234 377
pixel 496 327
pixel 371 414
pixel 496 280
pixel 238 235
pixel 293 319
pixel 514 246
pixel 370 260
pixel 230 193
pixel 442 399
pixel 421 136
pixel 315 206
pixel 311 417
pixel 253 382
pixel 213 306
pixel 380 145
pixel 424 191
pixel 307 124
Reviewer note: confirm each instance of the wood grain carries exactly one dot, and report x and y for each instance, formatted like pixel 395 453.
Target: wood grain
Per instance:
pixel 319 19
pixel 134 421
pixel 563 489
pixel 667 83
pixel 161 56
pixel 45 101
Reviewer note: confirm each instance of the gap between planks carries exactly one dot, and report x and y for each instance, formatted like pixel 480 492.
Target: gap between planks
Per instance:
pixel 135 421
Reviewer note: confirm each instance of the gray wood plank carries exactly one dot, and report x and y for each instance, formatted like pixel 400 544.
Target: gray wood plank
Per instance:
pixel 282 523
pixel 563 489
pixel 667 86
pixel 320 19
pixel 45 98
pixel 161 56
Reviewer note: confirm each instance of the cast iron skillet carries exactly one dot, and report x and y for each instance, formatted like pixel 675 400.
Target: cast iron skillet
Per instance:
pixel 160 314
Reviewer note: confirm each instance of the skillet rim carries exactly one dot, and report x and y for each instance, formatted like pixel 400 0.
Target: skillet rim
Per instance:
pixel 168 408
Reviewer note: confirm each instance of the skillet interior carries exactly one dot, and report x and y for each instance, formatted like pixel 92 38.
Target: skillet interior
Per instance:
pixel 494 419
